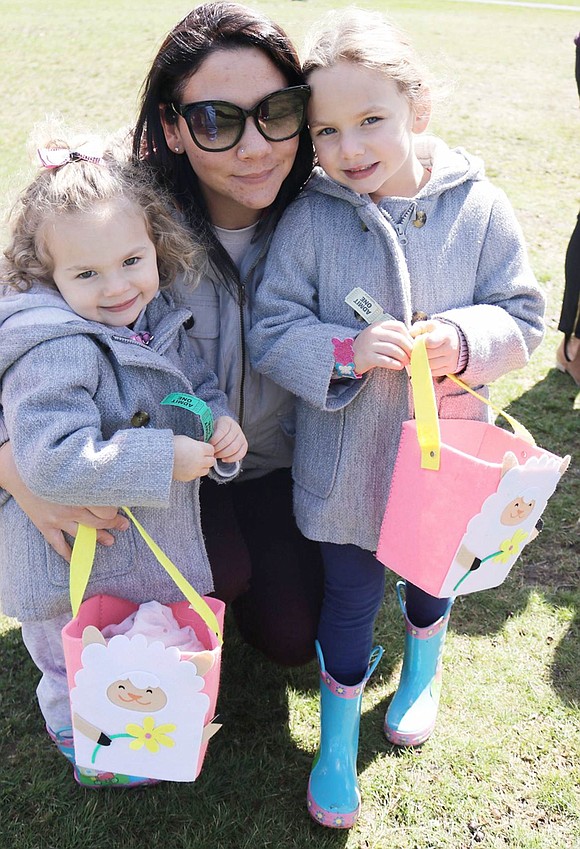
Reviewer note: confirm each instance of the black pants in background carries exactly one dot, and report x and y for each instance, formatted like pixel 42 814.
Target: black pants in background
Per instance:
pixel 570 315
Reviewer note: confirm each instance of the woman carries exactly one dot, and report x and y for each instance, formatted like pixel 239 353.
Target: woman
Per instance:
pixel 222 127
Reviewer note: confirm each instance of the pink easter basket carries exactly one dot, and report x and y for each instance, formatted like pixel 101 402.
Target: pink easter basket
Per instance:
pixel 140 709
pixel 465 496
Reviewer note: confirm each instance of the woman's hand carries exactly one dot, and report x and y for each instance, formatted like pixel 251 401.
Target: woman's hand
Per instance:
pixel 228 440
pixel 442 343
pixel 384 344
pixel 54 520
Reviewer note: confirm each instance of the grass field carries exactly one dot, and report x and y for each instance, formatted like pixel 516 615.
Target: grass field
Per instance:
pixel 503 767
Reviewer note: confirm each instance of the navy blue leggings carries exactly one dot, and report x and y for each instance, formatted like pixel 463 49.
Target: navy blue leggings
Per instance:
pixel 354 584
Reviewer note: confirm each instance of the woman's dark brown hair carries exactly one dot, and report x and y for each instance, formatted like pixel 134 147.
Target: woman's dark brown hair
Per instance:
pixel 211 27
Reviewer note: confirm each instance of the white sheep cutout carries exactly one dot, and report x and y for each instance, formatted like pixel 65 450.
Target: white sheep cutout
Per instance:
pixel 508 520
pixel 138 708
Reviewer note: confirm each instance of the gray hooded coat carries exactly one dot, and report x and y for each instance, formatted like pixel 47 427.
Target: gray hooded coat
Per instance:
pixel 76 395
pixel 456 252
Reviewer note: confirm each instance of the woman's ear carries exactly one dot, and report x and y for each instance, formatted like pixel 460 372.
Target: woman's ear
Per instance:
pixel 171 131
pixel 422 112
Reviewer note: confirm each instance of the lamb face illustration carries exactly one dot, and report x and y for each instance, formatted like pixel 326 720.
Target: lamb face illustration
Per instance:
pixel 143 696
pixel 138 708
pixel 509 519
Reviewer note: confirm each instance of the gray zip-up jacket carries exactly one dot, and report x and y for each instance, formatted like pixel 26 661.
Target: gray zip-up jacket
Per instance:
pixel 82 408
pixel 218 335
pixel 455 251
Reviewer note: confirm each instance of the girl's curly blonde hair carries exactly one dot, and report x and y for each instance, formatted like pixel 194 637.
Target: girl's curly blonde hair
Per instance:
pixel 78 186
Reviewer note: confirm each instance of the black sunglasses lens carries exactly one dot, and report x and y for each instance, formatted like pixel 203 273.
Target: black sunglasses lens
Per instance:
pixel 215 125
pixel 281 116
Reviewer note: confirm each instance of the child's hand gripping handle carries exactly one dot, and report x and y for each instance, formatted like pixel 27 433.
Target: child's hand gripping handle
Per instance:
pixel 428 432
pixel 83 554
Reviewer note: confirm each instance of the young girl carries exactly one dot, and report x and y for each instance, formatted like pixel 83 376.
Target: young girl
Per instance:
pixel 420 230
pixel 90 347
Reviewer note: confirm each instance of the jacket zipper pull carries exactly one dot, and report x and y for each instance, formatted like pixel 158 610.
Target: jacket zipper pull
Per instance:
pixel 401 234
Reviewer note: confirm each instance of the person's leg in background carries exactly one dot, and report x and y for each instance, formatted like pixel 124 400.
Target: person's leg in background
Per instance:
pixel 577 63
pixel 568 353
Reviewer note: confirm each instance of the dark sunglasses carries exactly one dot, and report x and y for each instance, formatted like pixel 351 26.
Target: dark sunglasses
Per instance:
pixel 216 125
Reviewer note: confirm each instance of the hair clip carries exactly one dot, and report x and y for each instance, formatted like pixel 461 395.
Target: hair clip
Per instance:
pixel 57 157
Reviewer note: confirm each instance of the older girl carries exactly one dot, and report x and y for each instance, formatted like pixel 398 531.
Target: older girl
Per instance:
pixel 419 228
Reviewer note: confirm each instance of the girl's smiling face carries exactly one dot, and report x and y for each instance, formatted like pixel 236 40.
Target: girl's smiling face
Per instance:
pixel 104 262
pixel 362 127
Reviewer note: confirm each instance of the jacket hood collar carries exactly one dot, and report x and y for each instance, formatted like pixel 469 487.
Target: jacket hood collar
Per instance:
pixel 38 305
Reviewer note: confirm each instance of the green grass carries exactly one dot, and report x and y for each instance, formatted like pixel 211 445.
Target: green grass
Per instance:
pixel 502 769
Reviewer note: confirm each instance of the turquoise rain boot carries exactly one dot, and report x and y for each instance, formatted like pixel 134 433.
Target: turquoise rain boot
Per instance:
pixel 412 713
pixel 333 796
pixel 63 740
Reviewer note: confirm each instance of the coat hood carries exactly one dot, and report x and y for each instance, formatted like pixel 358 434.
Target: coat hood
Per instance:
pixel 38 305
pixel 31 317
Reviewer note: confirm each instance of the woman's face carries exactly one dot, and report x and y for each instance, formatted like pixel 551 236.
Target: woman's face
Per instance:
pixel 239 183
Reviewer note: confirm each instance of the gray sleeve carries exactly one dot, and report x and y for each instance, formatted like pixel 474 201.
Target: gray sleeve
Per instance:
pixel 57 440
pixel 288 341
pixel 506 322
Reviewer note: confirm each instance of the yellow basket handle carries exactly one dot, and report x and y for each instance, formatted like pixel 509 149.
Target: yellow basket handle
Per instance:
pixel 428 432
pixel 81 563
pixel 517 427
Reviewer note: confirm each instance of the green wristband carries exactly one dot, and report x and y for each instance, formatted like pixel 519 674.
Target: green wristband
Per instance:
pixel 194 405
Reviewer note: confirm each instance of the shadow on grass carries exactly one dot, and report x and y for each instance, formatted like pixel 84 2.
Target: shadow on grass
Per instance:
pixel 251 791
pixel 552 562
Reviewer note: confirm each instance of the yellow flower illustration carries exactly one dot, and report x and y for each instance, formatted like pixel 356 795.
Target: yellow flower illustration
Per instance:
pixel 149 736
pixel 511 547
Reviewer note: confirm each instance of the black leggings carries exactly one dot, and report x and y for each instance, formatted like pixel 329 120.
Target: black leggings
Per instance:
pixel 577 68
pixel 262 565
pixel 570 315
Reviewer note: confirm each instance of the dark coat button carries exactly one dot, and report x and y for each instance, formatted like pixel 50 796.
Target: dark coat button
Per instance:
pixel 140 419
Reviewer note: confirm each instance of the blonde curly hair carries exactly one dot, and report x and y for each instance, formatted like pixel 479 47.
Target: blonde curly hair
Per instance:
pixel 76 187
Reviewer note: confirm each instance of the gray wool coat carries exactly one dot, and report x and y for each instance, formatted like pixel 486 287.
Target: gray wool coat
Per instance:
pixel 455 251
pixel 71 390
